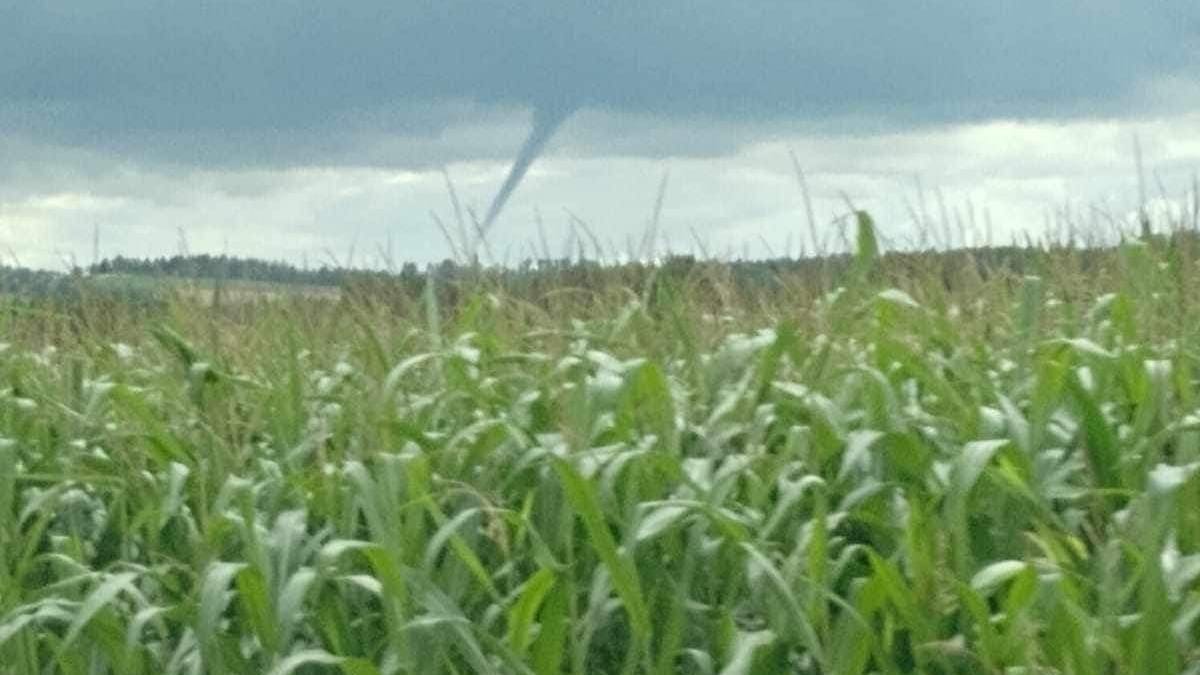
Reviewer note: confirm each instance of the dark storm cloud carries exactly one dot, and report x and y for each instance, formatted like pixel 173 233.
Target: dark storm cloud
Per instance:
pixel 229 82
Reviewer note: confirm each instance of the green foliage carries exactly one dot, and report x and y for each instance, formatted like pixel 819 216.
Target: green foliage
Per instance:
pixel 996 473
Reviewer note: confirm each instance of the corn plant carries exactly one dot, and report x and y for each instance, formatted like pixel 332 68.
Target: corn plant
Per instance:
pixel 888 479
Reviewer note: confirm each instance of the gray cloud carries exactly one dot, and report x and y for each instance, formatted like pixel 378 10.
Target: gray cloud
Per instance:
pixel 293 82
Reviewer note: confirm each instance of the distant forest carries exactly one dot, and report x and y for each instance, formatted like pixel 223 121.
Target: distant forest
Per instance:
pixel 543 274
pixel 205 266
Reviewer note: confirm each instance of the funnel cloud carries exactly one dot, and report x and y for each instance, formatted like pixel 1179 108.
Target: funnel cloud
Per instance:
pixel 546 120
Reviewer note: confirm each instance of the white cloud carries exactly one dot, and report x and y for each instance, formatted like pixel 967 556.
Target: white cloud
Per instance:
pixel 1016 171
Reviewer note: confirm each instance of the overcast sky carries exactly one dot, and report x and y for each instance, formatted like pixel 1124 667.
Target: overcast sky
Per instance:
pixel 300 130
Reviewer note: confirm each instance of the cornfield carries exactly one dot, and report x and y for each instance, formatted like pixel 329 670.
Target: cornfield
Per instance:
pixel 889 475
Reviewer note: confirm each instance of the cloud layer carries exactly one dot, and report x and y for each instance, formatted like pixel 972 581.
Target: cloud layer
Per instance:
pixel 294 82
pixel 293 128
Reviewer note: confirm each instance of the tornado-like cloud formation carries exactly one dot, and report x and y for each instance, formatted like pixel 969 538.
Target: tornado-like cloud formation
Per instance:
pixel 546 120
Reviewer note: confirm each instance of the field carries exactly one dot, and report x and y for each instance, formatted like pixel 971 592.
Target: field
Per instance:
pixel 892 465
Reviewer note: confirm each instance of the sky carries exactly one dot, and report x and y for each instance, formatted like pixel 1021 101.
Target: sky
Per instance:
pixel 344 132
